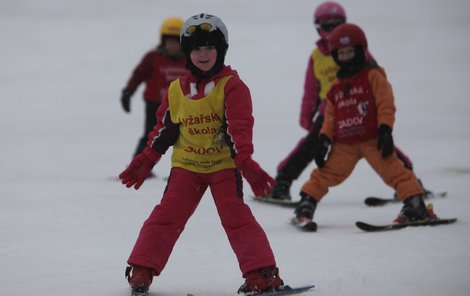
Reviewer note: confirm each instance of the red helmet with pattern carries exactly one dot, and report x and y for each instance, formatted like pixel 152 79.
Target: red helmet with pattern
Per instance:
pixel 347 35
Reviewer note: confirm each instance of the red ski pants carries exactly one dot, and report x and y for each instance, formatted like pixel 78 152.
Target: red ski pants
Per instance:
pixel 182 195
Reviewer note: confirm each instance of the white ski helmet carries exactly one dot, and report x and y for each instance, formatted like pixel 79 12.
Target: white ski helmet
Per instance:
pixel 205 22
pixel 203 30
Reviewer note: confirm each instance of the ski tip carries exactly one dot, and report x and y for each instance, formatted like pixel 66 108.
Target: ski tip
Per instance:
pixel 307 225
pixel 372 228
pixel 278 202
pixel 287 290
pixel 305 287
pixel 374 201
pixel 362 225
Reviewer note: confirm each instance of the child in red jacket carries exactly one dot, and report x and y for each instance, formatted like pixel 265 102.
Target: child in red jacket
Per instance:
pixel 358 123
pixel 207 118
pixel 157 69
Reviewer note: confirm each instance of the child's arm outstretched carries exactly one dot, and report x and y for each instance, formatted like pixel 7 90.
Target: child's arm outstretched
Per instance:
pixel 239 122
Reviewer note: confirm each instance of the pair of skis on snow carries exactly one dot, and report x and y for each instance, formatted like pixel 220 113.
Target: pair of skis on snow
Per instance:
pixel 372 201
pixel 310 226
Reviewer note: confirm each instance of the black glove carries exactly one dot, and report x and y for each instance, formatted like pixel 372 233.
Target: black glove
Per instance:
pixel 126 100
pixel 321 149
pixel 385 140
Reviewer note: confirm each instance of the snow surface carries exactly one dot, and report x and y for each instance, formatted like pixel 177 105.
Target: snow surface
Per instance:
pixel 67 226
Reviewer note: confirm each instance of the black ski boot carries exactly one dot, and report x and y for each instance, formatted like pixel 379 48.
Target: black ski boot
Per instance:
pixel 414 209
pixel 304 213
pixel 282 188
pixel 307 207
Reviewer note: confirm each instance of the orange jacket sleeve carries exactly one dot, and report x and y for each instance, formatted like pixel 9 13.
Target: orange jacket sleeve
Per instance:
pixel 329 120
pixel 383 94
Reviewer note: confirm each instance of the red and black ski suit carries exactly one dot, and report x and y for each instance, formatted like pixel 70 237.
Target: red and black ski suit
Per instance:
pixel 186 185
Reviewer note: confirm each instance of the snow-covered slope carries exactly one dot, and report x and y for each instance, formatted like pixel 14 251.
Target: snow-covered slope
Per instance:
pixel 67 226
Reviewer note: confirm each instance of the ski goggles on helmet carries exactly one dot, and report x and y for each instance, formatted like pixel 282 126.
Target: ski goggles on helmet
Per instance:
pixel 204 27
pixel 330 25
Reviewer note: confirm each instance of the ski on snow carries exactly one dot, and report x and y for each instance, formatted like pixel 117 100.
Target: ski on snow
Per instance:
pixel 374 201
pixel 284 290
pixel 395 226
pixel 276 201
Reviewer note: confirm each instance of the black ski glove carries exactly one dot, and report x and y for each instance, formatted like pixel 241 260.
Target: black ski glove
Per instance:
pixel 385 140
pixel 321 149
pixel 126 100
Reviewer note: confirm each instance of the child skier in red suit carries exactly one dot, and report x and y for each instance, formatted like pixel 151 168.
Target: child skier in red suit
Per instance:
pixel 358 123
pixel 207 118
pixel 157 69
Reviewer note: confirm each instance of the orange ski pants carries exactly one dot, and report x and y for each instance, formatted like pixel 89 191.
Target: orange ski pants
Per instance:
pixel 341 162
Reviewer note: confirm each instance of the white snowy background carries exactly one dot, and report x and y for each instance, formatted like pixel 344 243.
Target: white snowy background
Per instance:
pixel 67 227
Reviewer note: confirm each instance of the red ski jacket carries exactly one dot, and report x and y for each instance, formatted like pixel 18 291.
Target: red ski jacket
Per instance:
pixel 357 106
pixel 157 70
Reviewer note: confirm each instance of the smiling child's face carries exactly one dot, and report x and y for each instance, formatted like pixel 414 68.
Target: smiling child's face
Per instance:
pixel 204 57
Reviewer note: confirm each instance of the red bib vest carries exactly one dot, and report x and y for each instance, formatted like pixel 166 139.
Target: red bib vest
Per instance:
pixel 355 109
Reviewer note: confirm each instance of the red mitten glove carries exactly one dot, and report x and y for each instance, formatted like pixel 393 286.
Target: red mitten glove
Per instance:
pixel 140 168
pixel 261 183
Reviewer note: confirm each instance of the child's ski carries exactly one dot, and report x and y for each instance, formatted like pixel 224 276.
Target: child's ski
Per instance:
pixel 374 201
pixel 276 201
pixel 395 226
pixel 284 290
pixel 304 224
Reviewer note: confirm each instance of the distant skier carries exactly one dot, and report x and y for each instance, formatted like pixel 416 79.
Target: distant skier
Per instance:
pixel 320 74
pixel 207 118
pixel 157 69
pixel 358 123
